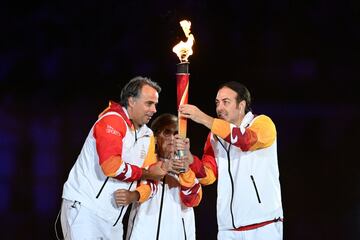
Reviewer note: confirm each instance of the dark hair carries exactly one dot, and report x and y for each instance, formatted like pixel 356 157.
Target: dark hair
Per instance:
pixel 162 121
pixel 242 93
pixel 133 89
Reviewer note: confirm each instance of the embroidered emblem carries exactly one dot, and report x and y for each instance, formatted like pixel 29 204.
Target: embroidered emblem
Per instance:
pixel 111 130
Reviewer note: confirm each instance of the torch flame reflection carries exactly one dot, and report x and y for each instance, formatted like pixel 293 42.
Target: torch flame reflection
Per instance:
pixel 184 49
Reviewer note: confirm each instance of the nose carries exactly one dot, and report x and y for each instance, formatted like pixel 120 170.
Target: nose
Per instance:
pixel 172 139
pixel 153 108
pixel 219 107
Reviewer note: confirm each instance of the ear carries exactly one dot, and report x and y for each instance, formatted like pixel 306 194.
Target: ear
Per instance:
pixel 131 101
pixel 242 105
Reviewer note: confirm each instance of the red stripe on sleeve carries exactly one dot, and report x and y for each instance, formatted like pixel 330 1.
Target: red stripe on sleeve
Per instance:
pixel 209 156
pixel 244 141
pixel 191 197
pixel 198 168
pixel 136 173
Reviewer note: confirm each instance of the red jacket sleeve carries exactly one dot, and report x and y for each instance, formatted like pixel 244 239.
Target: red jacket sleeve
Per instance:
pixel 191 191
pixel 209 163
pixel 206 168
pixel 260 134
pixel 109 133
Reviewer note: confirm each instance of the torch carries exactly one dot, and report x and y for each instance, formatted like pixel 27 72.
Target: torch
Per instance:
pixel 183 50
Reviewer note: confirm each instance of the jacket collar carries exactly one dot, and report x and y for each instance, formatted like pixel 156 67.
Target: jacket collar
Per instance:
pixel 116 107
pixel 246 121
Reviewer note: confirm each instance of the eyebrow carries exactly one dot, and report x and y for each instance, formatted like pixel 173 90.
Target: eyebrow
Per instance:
pixel 169 129
pixel 222 99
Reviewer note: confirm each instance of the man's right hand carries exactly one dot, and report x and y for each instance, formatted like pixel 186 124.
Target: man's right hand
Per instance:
pixel 195 114
pixel 154 172
pixel 125 197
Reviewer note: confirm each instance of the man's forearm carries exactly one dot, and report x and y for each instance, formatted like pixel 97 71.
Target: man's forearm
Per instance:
pixel 154 172
pixel 206 120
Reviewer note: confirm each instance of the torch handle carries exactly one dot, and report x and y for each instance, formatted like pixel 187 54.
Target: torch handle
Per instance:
pixel 182 87
pixel 180 154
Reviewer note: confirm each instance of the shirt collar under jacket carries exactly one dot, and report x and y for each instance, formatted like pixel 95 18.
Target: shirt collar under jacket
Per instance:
pixel 246 121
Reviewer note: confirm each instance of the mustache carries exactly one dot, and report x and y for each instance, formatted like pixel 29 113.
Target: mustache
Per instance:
pixel 220 113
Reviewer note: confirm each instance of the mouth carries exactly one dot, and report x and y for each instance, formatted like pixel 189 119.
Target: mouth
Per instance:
pixel 221 115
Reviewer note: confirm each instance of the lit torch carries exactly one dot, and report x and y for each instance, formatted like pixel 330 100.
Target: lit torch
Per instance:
pixel 183 50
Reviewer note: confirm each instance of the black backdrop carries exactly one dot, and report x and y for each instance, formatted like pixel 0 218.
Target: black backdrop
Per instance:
pixel 61 61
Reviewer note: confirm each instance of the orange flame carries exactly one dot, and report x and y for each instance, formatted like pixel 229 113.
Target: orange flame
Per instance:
pixel 184 49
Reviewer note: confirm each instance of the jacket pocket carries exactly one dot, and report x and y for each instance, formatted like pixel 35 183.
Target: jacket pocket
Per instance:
pixel 256 190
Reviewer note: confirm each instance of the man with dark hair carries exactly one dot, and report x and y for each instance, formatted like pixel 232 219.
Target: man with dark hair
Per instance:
pixel 241 153
pixel 117 154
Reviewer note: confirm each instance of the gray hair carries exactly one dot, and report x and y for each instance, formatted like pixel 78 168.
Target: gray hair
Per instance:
pixel 133 89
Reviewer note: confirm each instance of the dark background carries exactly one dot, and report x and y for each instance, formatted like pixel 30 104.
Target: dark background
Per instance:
pixel 61 61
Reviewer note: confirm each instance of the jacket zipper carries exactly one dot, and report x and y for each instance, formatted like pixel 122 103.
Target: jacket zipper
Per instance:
pixel 122 208
pixel 231 180
pixel 183 222
pixel 256 190
pixel 161 207
pixel 132 226
pixel 102 187
pixel 232 188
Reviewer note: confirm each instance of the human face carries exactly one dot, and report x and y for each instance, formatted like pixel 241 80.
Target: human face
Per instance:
pixel 143 107
pixel 165 141
pixel 227 108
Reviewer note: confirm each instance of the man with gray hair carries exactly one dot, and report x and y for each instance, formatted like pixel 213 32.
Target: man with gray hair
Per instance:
pixel 118 153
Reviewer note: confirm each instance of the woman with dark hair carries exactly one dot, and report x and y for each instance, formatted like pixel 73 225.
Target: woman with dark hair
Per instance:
pixel 170 210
